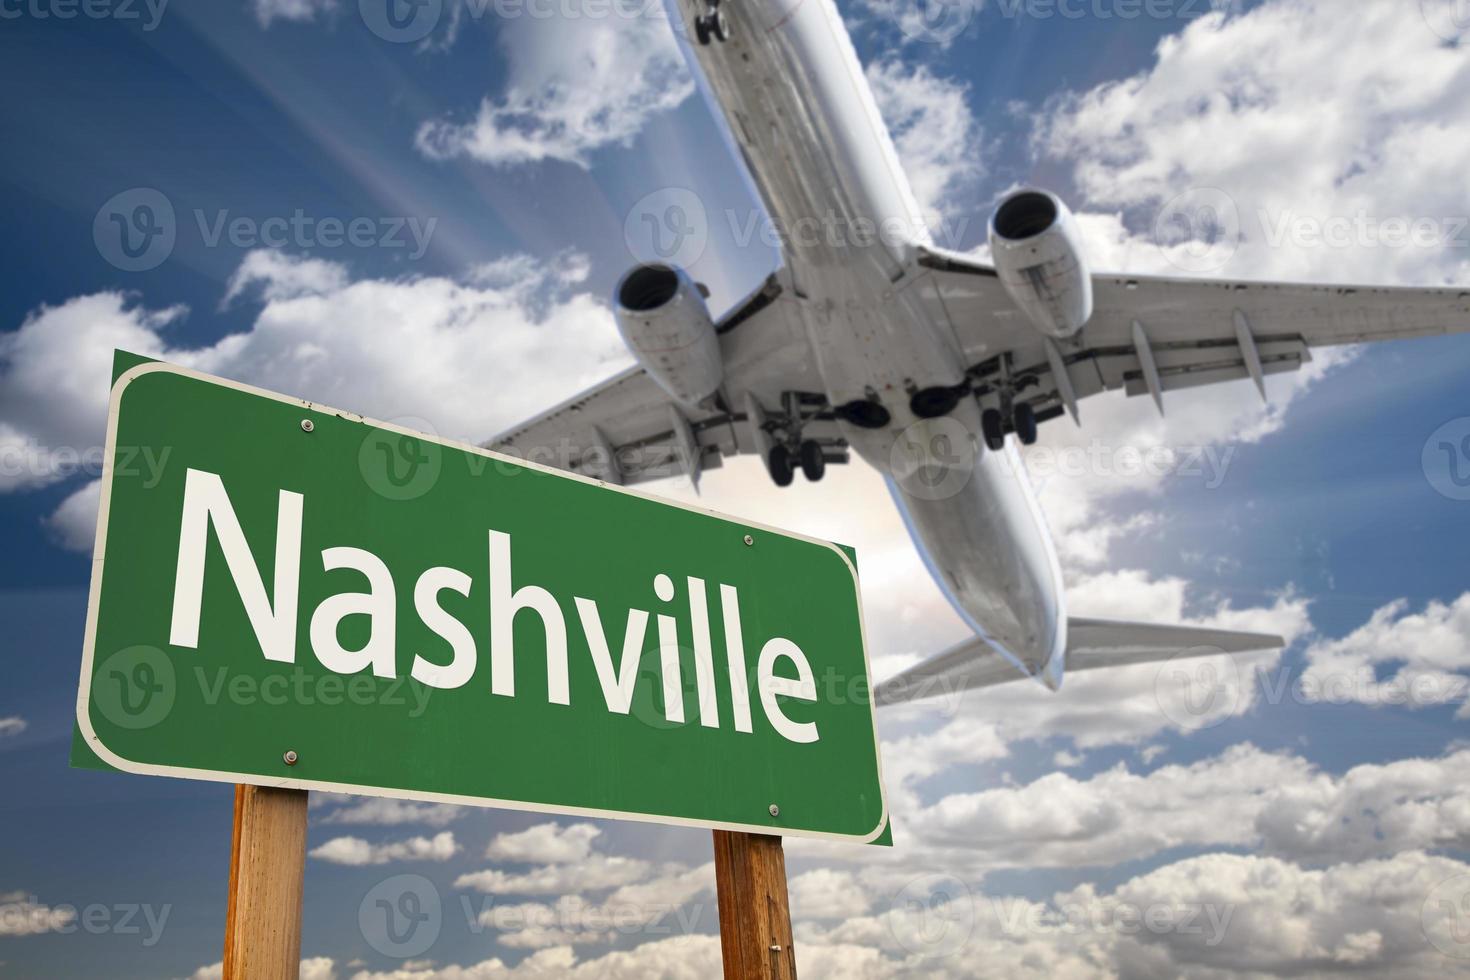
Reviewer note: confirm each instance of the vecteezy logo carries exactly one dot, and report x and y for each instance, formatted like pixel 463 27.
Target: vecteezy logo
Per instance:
pixel 933 459
pixel 401 916
pixel 1199 230
pixel 135 688
pixel 135 230
pixel 1445 916
pixel 934 915
pixel 1198 688
pixel 937 21
pixel 1446 459
pixel 668 225
pixel 400 466
pixel 1450 19
pixel 649 703
pixel 401 21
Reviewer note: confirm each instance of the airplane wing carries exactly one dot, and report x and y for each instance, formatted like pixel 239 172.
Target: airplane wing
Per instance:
pixel 1092 644
pixel 1152 334
pixel 1148 335
pixel 627 430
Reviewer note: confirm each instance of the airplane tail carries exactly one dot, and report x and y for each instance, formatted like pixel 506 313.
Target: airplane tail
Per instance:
pixel 1092 644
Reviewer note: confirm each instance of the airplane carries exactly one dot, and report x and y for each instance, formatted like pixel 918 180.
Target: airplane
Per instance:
pixel 928 363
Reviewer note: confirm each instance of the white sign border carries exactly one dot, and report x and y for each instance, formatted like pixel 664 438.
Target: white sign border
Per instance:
pixel 94 742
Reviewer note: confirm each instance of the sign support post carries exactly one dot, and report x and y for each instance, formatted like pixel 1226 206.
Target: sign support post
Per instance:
pixel 755 917
pixel 267 869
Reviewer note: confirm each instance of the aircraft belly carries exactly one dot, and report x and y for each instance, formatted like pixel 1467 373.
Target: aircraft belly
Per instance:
pixel 792 92
pixel 976 522
pixel 874 343
pixel 790 88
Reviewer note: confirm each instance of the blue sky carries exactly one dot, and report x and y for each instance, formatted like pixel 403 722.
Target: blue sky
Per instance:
pixel 1325 830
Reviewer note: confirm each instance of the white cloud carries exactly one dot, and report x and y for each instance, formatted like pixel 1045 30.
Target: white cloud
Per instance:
pixel 1416 659
pixel 313 968
pixel 318 334
pixel 13 725
pixel 546 843
pixel 1062 821
pixel 575 84
pixel 590 873
pixel 317 968
pixel 74 523
pixel 300 11
pixel 827 894
pixel 640 893
pixel 1067 760
pixel 357 852
pixel 925 22
pixel 1276 803
pixel 385 812
pixel 281 276
pixel 1217 915
pixel 54 377
pixel 674 885
pixel 935 134
pixel 21 914
pixel 1231 102
pixel 1284 919
pixel 676 958
pixel 526 275
pixel 1371 810
pixel 664 900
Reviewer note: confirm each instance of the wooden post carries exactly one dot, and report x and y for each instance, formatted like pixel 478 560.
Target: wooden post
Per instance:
pixel 267 867
pixel 755 918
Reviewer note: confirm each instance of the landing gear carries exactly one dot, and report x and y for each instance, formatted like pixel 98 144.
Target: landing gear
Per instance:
pixel 1006 394
pixel 1023 422
pixel 711 26
pixel 813 460
pixel 810 456
pixel 993 427
pixel 779 436
pixel 778 462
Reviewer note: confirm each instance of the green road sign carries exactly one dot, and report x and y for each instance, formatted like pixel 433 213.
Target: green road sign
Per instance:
pixel 295 596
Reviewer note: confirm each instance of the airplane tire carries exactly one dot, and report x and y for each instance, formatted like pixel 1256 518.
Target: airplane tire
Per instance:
pixel 993 428
pixel 701 30
pixel 779 465
pixel 1025 421
pixel 719 26
pixel 813 463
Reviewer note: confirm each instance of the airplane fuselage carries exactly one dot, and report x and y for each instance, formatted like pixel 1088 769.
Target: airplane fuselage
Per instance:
pixel 789 86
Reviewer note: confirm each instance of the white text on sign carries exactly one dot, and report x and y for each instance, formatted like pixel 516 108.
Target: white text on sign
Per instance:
pixel 273 619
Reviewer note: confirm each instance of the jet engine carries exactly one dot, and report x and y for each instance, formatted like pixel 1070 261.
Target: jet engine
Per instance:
pixel 1037 253
pixel 666 324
